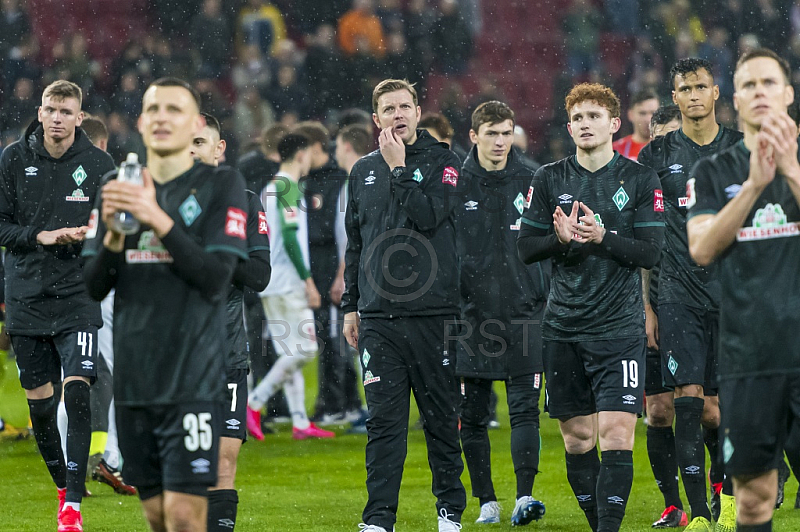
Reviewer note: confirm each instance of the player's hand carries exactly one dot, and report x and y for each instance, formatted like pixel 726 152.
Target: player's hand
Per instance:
pixel 312 294
pixel 63 236
pixel 781 133
pixel 762 162
pixel 139 200
pixel 337 289
pixel 565 226
pixel 392 148
pixel 588 229
pixel 651 327
pixel 351 324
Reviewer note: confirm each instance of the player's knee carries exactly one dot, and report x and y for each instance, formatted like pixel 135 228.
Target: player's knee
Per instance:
pixel 42 409
pixel 183 517
pixel 155 518
pixel 226 472
pixel 710 419
pixel 579 440
pixel 754 506
pixel 660 413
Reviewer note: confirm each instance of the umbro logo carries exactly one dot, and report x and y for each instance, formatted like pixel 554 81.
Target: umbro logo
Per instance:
pixel 369 180
pixel 732 191
pixel 87 364
pixel 233 424
pixel 200 466
pixel 31 171
pixel 583 498
pixel 676 168
pixel 565 198
pixel 446 362
pixel 471 205
pixel 615 499
pixel 226 523
pixel 629 397
pixel 72 466
pixel 692 470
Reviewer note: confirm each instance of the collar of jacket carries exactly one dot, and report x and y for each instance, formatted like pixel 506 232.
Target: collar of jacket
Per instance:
pixel 494 178
pixel 33 138
pixel 425 141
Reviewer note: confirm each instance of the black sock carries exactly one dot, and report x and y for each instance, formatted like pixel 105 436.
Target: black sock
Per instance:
pixel 45 430
pixel 582 473
pixel 222 506
pixel 613 489
pixel 79 437
pixel 727 485
pixel 711 439
pixel 664 463
pixel 691 454
pixel 763 527
pixel 525 444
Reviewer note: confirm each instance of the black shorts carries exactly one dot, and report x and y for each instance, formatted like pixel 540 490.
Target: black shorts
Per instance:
pixel 756 419
pixel 582 378
pixel 170 447
pixel 40 359
pixel 234 410
pixel 688 340
pixel 654 378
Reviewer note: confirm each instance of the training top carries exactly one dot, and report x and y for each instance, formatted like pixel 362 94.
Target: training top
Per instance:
pixel 758 271
pixel 672 156
pixel 169 327
pixel 596 291
pixel 502 299
pixel 401 257
pixel 45 293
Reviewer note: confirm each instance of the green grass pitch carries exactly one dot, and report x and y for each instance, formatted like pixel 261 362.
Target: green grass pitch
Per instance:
pixel 319 485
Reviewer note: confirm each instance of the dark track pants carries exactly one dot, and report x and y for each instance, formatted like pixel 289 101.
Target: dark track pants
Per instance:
pixel 523 408
pixel 400 355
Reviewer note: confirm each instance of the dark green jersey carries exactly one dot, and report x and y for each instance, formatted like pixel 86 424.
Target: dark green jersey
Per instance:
pixel 760 299
pixel 169 337
pixel 593 296
pixel 672 157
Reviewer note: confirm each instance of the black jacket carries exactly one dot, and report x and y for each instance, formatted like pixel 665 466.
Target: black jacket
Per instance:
pixel 322 189
pixel 401 245
pixel 45 293
pixel 502 299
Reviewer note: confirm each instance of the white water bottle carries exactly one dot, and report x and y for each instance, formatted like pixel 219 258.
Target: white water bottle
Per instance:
pixel 130 171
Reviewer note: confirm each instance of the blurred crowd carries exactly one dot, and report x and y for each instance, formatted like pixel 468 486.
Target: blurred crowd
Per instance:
pixel 257 62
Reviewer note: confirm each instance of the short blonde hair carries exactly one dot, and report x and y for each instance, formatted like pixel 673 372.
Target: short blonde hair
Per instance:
pixel 390 85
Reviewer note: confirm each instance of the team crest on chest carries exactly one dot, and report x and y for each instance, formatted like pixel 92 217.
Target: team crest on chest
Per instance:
pixel 79 175
pixel 621 198
pixel 190 210
pixel 519 203
pixel 417 176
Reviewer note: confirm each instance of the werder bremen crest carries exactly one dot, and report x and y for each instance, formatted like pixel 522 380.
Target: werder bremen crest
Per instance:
pixel 79 175
pixel 190 210
pixel 519 202
pixel 621 198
